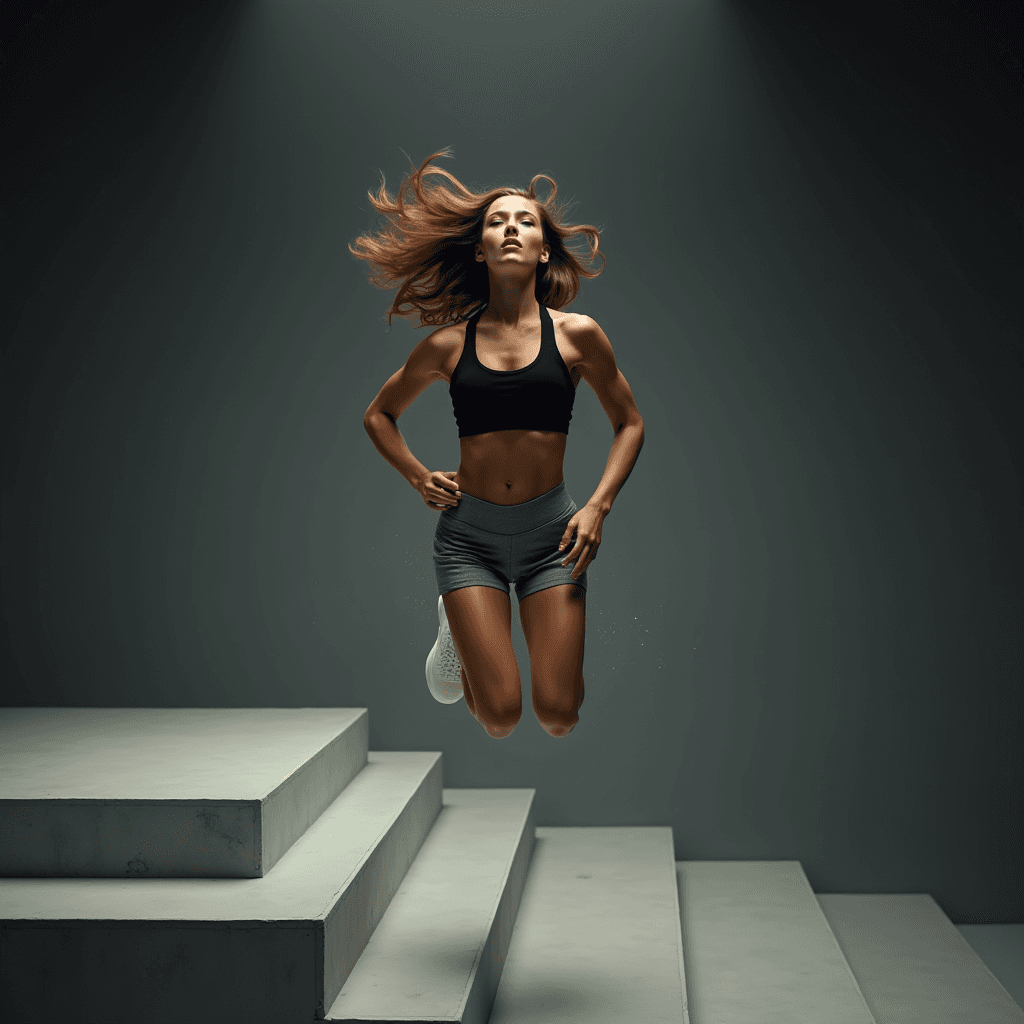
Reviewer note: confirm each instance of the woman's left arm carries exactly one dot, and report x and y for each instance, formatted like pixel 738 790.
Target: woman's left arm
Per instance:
pixel 598 369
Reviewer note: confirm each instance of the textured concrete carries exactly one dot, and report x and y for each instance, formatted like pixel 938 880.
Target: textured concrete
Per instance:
pixel 598 936
pixel 167 792
pixel 439 951
pixel 403 901
pixel 759 949
pixel 277 948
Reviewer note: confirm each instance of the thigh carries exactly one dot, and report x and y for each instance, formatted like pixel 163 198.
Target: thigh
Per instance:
pixel 480 619
pixel 554 624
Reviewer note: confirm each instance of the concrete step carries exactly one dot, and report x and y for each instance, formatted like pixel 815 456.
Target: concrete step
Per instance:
pixel 167 792
pixel 762 948
pixel 439 951
pixel 404 901
pixel 913 964
pixel 759 947
pixel 277 948
pixel 596 938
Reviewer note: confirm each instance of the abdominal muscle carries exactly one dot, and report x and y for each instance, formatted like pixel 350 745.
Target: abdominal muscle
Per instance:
pixel 508 467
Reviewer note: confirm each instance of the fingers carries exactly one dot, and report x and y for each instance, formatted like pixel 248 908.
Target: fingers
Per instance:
pixel 447 499
pixel 579 558
pixel 444 490
pixel 582 556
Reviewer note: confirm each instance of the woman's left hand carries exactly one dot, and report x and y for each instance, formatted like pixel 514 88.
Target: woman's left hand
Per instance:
pixel 587 525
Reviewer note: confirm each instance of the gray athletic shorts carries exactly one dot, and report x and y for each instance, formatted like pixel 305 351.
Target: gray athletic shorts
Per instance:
pixel 480 544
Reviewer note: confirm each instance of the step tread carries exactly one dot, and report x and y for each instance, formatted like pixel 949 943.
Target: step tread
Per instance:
pixel 178 754
pixel 759 947
pixel 911 962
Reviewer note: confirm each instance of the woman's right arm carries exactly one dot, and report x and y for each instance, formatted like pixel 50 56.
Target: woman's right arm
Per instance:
pixel 421 369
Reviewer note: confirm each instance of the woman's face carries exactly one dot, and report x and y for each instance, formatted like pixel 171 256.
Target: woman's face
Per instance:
pixel 511 220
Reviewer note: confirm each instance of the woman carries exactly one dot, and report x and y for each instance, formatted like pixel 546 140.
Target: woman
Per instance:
pixel 492 269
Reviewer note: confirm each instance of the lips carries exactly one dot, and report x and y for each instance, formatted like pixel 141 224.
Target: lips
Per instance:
pixel 511 241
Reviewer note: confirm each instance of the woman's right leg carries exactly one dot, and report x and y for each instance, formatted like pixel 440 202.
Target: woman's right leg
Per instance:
pixel 480 619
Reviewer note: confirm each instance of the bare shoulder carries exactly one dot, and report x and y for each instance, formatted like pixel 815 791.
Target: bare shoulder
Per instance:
pixel 445 346
pixel 580 333
pixel 571 323
pixel 446 335
pixel 577 327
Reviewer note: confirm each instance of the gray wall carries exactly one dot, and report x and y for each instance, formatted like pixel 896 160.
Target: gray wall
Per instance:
pixel 804 625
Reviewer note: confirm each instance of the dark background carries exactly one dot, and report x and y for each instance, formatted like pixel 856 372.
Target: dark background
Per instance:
pixel 804 634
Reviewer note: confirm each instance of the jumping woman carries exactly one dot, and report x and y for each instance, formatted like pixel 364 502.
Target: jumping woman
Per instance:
pixel 492 272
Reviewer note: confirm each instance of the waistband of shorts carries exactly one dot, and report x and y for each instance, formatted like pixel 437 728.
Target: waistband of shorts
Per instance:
pixel 509 519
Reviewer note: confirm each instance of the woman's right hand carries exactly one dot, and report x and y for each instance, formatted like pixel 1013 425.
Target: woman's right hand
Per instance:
pixel 439 490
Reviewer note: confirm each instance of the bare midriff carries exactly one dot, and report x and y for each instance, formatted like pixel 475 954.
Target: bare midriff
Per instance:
pixel 508 467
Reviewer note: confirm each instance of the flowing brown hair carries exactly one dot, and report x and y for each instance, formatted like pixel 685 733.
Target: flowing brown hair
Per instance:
pixel 428 251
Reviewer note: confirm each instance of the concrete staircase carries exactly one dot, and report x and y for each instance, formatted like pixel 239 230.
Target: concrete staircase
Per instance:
pixel 261 864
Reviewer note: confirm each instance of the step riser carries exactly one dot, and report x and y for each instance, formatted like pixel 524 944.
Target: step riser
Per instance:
pixel 159 975
pixel 117 839
pixel 302 798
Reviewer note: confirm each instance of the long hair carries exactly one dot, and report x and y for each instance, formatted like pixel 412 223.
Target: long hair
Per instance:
pixel 428 250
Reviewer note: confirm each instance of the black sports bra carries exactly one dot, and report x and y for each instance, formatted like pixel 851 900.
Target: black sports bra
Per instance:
pixel 535 397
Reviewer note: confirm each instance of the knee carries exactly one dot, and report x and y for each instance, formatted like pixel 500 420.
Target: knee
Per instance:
pixel 559 729
pixel 503 726
pixel 557 721
pixel 501 721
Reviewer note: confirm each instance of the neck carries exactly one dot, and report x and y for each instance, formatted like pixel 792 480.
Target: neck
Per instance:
pixel 513 301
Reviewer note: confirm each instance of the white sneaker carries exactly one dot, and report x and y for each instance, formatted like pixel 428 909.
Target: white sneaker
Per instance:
pixel 444 670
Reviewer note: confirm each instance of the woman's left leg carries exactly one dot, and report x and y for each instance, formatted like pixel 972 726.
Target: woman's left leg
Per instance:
pixel 554 624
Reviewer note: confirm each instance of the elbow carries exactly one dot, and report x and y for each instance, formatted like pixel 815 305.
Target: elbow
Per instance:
pixel 372 417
